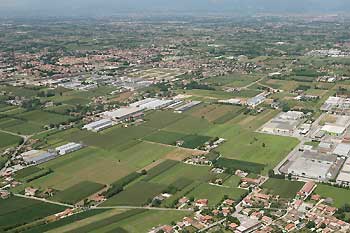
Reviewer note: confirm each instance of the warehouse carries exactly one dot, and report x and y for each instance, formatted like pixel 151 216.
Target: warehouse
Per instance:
pixel 126 113
pixel 187 106
pixel 284 124
pixel 152 103
pixel 255 101
pixel 342 149
pixel 344 175
pixel 99 125
pixel 68 148
pixel 333 130
pixel 37 156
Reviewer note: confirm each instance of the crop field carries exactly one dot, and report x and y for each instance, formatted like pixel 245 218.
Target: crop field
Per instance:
pixel 170 138
pixel 121 221
pixel 8 140
pixel 239 164
pixel 161 119
pixel 181 170
pixel 190 125
pixel 215 194
pixel 20 126
pixel 17 211
pixel 214 112
pixel 234 80
pixel 340 196
pixel 137 194
pixel 78 192
pixel 159 169
pixel 27 172
pixel 283 188
pixel 43 118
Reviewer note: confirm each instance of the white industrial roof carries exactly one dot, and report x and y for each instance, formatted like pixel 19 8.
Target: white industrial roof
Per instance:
pixel 98 123
pixel 333 129
pixel 310 168
pixel 122 112
pixel 342 149
pixel 343 176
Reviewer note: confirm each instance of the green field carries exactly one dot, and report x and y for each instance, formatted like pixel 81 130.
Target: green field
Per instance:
pixel 78 192
pixel 137 194
pixel 340 196
pixel 283 188
pixel 234 164
pixel 43 118
pixel 17 211
pixel 232 181
pixel 8 140
pixel 215 194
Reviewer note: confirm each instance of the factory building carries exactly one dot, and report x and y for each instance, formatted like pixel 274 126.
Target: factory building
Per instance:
pixel 99 125
pixel 37 156
pixel 344 175
pixel 68 148
pixel 125 113
pixel 187 106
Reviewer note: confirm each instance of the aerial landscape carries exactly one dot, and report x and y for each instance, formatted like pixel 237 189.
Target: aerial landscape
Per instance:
pixel 153 119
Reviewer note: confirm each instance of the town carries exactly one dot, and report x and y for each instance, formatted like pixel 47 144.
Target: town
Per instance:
pixel 146 125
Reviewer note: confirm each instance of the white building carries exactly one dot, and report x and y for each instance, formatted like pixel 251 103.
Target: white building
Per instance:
pixel 342 149
pixel 334 129
pixel 68 148
pixel 344 175
pixel 124 113
pixel 97 126
pixel 37 156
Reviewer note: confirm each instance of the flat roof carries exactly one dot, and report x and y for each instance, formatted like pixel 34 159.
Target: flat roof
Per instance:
pixel 98 123
pixel 342 149
pixel 310 168
pixel 333 129
pixel 344 177
pixel 122 112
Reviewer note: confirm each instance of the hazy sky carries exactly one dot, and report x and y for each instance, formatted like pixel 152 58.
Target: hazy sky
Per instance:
pixel 110 7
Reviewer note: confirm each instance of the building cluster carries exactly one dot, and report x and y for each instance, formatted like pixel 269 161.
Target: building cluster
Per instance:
pixel 286 124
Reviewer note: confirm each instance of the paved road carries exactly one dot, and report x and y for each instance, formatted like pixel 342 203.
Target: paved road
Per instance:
pixel 212 225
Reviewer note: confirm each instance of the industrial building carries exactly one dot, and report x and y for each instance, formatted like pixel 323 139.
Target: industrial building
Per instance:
pixel 125 113
pixel 68 148
pixel 284 124
pixel 256 100
pixel 333 130
pixel 344 175
pixel 342 149
pixel 100 125
pixel 37 156
pixel 313 165
pixel 152 103
pixel 231 101
pixel 187 106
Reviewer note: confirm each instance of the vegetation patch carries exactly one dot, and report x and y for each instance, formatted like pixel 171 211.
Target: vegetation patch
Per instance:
pixel 234 164
pixel 159 169
pixel 78 192
pixel 283 188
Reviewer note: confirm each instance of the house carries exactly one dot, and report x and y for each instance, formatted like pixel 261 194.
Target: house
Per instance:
pixel 183 200
pixel 206 218
pixel 201 203
pixel 290 227
pixel 65 213
pixel 4 194
pixel 167 229
pixel 307 189
pixel 233 226
pixel 315 197
pixel 229 202
pixel 266 220
pixel 29 191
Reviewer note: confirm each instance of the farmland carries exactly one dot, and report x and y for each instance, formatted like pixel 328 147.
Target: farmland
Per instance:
pixel 339 196
pixel 17 211
pixel 8 140
pixel 283 188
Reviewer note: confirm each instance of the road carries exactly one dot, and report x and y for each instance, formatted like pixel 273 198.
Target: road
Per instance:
pixel 141 207
pixel 212 225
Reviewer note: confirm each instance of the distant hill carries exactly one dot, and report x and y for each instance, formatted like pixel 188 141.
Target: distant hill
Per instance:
pixel 111 7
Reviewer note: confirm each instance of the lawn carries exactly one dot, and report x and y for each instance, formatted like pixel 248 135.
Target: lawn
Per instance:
pixel 16 211
pixel 137 194
pixel 78 192
pixel 215 194
pixel 340 196
pixel 232 181
pixel 283 188
pixel 8 140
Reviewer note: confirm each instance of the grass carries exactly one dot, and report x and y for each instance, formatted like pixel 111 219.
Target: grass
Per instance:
pixel 340 196
pixel 78 192
pixel 215 194
pixel 43 118
pixel 190 125
pixel 159 169
pixel 138 194
pixel 283 188
pixel 17 211
pixel 170 138
pixel 8 140
pixel 234 164
pixel 232 181
pixel 27 172
pixel 161 119
pixel 20 126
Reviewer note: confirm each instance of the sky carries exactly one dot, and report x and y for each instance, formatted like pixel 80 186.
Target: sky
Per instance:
pixel 55 8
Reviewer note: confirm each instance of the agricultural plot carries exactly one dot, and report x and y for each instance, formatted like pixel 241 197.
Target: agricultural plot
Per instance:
pixel 339 196
pixel 214 112
pixel 18 211
pixel 190 125
pixel 215 194
pixel 232 181
pixel 138 194
pixel 78 192
pixel 283 188
pixel 8 140
pixel 233 80
pixel 234 164
pixel 161 119
pixel 43 118
pixel 170 138
pixel 19 126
